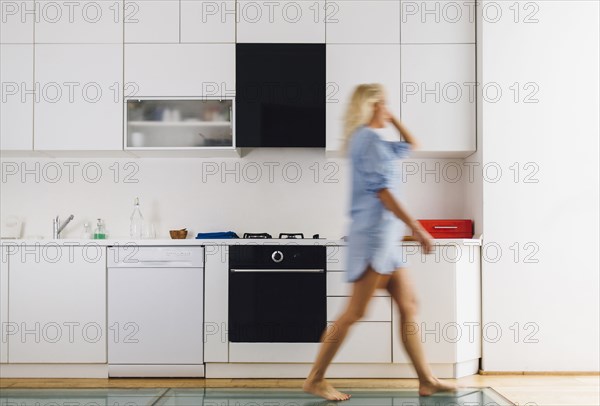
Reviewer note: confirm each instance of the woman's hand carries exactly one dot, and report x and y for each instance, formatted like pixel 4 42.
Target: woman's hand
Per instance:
pixel 387 115
pixel 424 238
pixel 408 137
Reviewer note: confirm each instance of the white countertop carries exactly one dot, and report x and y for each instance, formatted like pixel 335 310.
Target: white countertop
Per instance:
pixel 200 242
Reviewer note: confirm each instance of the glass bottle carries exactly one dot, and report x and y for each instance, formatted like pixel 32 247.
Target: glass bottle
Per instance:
pixel 137 221
pixel 100 232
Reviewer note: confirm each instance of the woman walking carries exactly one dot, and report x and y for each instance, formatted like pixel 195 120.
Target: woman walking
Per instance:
pixel 378 219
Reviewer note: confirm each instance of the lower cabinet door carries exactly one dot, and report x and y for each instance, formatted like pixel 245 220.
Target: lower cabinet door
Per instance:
pixel 57 304
pixel 434 281
pixel 366 342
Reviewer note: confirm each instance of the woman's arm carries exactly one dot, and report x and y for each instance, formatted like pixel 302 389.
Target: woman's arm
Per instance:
pixel 408 137
pixel 390 203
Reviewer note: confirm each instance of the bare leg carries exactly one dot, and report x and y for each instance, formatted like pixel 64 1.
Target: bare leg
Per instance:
pixel 334 336
pixel 403 294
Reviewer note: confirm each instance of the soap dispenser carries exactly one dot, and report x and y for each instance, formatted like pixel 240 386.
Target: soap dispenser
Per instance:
pixel 100 232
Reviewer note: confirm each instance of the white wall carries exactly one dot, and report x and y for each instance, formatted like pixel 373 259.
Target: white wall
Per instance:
pixel 558 215
pixel 186 192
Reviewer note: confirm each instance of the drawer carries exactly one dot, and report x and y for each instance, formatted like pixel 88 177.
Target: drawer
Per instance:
pixel 379 308
pixel 448 228
pixel 337 285
pixel 367 342
pixel 336 258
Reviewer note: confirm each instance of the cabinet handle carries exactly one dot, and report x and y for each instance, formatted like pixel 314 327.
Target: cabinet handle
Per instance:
pixel 445 226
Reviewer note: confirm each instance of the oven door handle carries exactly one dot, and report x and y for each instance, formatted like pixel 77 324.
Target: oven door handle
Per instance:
pixel 279 270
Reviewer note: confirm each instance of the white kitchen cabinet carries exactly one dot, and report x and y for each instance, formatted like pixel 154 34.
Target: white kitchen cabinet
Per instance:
pixel 3 305
pixel 379 308
pixel 16 109
pixel 366 342
pixel 86 21
pixel 194 123
pixel 81 102
pixel 425 22
pixel 439 97
pixel 184 70
pixel 363 22
pixel 152 21
pixel 208 21
pixel 16 21
pixel 447 284
pixel 216 276
pixel 281 21
pixel 57 304
pixel 337 285
pixel 349 65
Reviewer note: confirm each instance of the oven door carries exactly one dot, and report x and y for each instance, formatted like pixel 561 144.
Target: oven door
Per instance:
pixel 277 305
pixel 287 306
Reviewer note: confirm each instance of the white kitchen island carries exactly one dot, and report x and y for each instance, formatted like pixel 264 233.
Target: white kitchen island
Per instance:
pixel 447 283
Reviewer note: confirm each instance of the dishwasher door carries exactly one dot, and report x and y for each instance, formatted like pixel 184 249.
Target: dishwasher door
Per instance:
pixel 155 311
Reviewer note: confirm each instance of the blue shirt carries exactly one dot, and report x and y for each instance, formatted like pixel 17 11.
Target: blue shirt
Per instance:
pixel 374 231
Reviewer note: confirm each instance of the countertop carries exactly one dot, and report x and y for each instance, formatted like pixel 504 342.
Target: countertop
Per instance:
pixel 200 242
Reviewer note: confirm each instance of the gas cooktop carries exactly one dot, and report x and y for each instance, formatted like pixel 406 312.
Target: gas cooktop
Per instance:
pixel 281 235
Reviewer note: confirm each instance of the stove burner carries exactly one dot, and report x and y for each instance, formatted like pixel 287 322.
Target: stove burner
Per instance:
pixel 291 235
pixel 257 235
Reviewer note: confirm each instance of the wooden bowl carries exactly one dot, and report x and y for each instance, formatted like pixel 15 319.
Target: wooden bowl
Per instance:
pixel 178 234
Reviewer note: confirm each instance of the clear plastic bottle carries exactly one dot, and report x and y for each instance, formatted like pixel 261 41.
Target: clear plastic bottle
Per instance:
pixel 87 232
pixel 137 221
pixel 100 232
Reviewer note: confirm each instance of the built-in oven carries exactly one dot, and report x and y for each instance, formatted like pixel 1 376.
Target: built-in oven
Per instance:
pixel 277 293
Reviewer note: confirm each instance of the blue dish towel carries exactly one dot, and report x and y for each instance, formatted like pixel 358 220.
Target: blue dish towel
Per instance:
pixel 222 234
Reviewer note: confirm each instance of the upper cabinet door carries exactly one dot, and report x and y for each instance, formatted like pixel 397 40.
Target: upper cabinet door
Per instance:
pixel 16 21
pixel 16 109
pixel 80 101
pixel 208 21
pixel 351 65
pixel 281 21
pixel 363 21
pixel 439 97
pixel 432 22
pixel 3 303
pixel 180 70
pixel 87 21
pixel 151 21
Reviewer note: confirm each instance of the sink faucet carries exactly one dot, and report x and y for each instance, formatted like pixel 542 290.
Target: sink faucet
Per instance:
pixel 57 227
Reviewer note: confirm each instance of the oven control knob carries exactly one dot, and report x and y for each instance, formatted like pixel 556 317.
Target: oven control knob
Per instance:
pixel 277 256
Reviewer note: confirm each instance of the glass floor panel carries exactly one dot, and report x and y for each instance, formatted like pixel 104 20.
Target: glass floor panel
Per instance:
pixel 242 397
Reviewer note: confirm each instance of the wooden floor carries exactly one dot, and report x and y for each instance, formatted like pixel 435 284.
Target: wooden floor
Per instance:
pixel 539 390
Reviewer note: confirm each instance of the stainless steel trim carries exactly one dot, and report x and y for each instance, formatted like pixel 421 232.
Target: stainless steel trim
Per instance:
pixel 280 270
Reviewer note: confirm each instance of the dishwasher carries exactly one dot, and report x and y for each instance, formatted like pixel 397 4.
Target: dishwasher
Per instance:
pixel 155 311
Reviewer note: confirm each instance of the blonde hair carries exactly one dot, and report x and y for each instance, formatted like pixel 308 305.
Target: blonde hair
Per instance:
pixel 360 109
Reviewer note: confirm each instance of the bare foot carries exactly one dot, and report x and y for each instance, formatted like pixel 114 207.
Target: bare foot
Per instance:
pixel 324 390
pixel 434 386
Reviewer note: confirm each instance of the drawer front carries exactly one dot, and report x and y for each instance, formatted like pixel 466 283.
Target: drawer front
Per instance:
pixel 367 342
pixel 448 228
pixel 379 308
pixel 337 285
pixel 336 258
pixel 273 352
